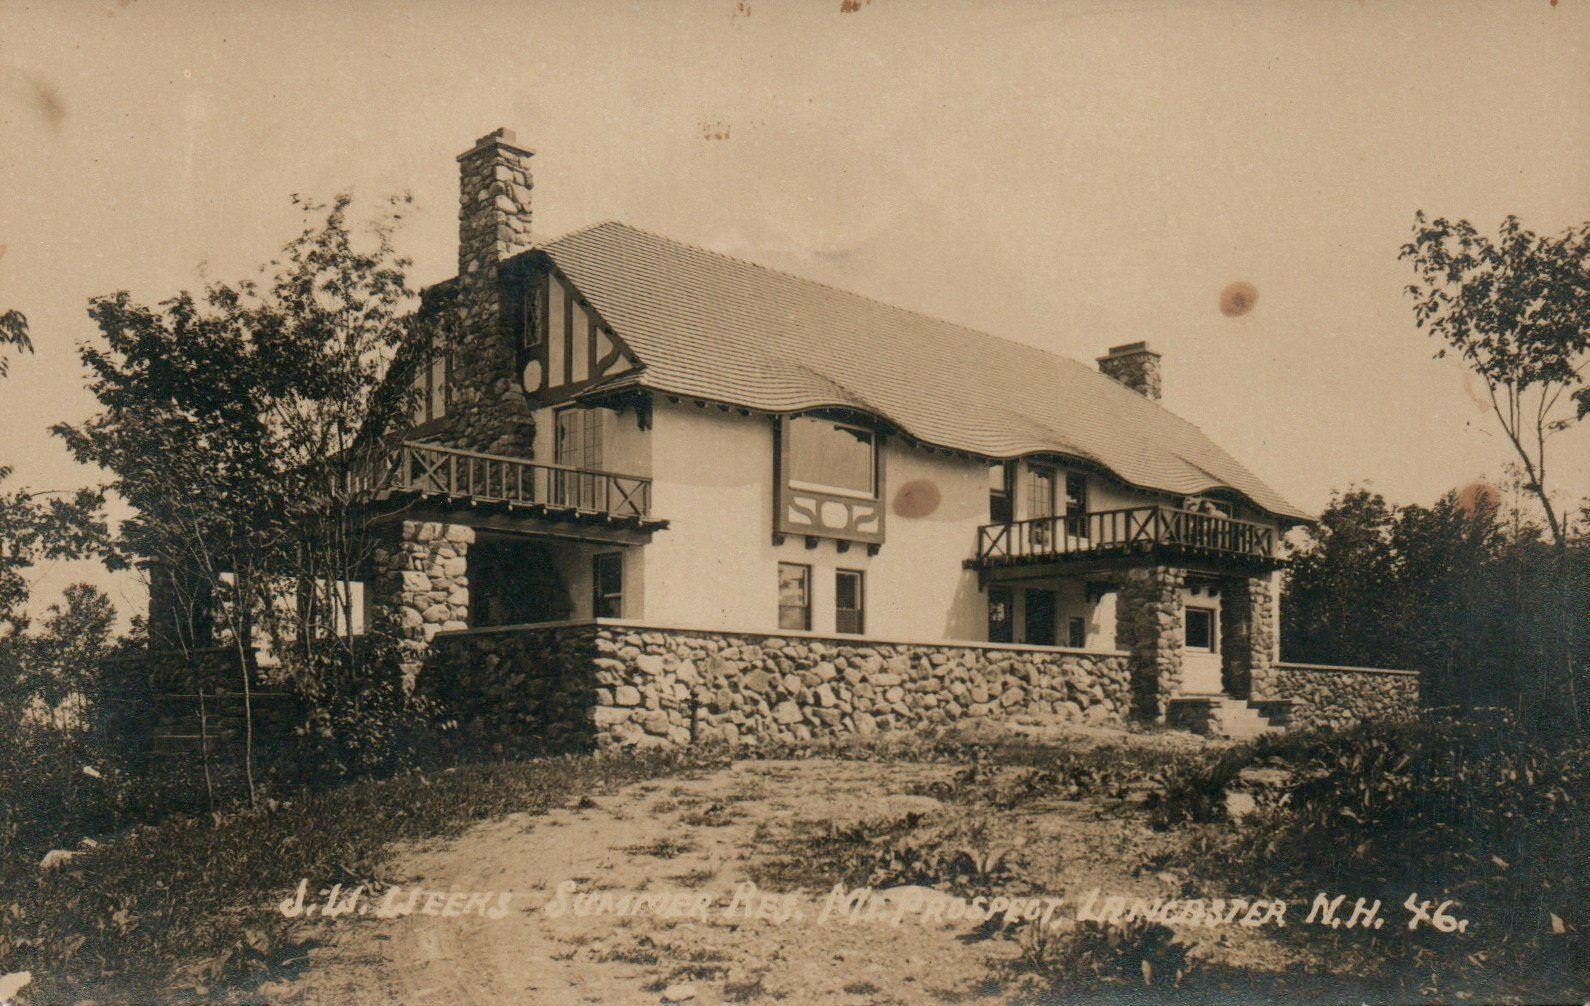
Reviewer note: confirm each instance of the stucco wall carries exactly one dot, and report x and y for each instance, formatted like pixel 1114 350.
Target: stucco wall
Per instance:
pixel 1329 696
pixel 620 685
pixel 716 565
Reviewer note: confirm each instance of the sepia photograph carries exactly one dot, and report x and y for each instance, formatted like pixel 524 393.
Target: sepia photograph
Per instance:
pixel 870 502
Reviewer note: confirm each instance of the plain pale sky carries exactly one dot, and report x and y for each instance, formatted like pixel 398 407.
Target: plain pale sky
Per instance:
pixel 1069 175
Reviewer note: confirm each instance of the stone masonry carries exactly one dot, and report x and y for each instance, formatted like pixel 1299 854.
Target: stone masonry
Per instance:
pixel 1247 637
pixel 1328 696
pixel 1136 366
pixel 487 410
pixel 421 576
pixel 1148 625
pixel 627 686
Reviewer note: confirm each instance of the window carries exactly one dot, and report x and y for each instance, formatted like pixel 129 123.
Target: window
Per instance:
pixel 831 457
pixel 431 388
pixel 1201 629
pixel 1001 619
pixel 1077 506
pixel 1076 632
pixel 578 444
pixel 1040 491
pixel 999 511
pixel 607 585
pixel 794 596
pixel 849 601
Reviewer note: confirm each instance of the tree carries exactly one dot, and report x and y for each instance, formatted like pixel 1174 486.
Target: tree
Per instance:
pixel 40 526
pixel 1517 310
pixel 239 425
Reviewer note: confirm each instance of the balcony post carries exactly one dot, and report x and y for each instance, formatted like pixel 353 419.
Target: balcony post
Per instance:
pixel 420 586
pixel 1148 626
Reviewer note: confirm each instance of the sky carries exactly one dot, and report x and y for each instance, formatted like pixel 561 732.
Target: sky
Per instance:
pixel 1070 175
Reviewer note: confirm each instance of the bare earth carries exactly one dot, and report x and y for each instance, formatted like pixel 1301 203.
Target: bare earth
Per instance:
pixel 707 835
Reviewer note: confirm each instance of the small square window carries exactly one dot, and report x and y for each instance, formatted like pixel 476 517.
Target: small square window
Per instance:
pixel 1200 629
pixel 794 596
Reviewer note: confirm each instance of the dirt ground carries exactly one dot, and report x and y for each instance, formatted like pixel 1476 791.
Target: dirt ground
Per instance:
pixel 704 836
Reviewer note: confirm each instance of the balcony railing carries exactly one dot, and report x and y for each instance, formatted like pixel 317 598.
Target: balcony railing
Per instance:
pixel 429 470
pixel 1146 531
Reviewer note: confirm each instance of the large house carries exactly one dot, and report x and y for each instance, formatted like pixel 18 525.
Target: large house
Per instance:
pixel 748 502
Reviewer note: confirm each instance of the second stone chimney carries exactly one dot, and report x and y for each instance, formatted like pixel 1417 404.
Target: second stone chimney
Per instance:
pixel 485 409
pixel 1134 365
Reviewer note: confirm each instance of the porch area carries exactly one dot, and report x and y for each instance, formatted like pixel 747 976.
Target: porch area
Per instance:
pixel 1189 596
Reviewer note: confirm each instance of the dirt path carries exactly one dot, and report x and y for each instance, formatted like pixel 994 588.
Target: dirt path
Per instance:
pixel 703 837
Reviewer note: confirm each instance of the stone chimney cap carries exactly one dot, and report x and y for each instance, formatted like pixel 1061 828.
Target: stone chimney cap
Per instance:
pixel 500 137
pixel 1129 349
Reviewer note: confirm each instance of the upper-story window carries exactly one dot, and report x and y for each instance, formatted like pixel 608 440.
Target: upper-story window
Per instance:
pixel 1077 505
pixel 1040 491
pixel 431 389
pixel 832 457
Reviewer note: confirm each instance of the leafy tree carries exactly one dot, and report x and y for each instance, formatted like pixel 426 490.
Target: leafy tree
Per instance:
pixel 240 423
pixel 1517 310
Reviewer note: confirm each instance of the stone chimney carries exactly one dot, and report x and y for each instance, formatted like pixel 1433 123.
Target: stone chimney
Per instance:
pixel 1134 365
pixel 486 404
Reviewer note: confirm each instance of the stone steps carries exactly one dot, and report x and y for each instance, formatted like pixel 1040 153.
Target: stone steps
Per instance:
pixel 1225 717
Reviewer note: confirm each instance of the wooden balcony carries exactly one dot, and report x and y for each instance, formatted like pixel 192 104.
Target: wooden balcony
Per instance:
pixel 1136 535
pixel 526 494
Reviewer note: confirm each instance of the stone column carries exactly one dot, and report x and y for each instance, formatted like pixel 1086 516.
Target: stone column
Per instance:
pixel 421 582
pixel 1247 637
pixel 181 615
pixel 1148 625
pixel 487 408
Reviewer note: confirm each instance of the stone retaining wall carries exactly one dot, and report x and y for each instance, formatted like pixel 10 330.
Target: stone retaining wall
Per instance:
pixel 621 685
pixel 1329 696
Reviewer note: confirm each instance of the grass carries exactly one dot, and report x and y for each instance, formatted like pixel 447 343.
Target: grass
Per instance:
pixel 187 908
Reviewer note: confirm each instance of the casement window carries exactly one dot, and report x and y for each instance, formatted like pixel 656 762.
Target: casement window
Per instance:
pixel 607 585
pixel 431 393
pixel 850 601
pixel 1001 616
pixel 1077 505
pixel 1076 632
pixel 794 596
pixel 577 443
pixel 1040 491
pixel 832 457
pixel 1200 633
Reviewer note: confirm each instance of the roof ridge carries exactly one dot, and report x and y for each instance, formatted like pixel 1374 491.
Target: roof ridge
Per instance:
pixel 1061 357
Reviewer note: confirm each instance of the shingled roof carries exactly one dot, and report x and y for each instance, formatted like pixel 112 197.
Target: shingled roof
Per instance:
pixel 708 326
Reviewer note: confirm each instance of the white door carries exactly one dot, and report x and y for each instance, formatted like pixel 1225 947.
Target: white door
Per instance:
pixel 1200 658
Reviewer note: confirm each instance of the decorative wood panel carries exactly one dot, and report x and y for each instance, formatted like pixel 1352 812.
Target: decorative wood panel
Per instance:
pixel 564 345
pixel 813 513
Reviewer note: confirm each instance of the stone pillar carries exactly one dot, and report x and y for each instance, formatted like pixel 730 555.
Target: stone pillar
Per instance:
pixel 486 407
pixel 1248 637
pixel 181 609
pixel 421 582
pixel 1148 625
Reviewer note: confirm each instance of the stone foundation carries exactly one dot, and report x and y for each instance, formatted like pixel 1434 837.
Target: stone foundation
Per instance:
pixel 1247 637
pixel 1326 696
pixel 617 685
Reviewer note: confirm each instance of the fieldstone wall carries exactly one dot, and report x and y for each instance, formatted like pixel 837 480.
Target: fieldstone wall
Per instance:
pixel 630 686
pixel 1324 696
pixel 1148 625
pixel 487 410
pixel 420 576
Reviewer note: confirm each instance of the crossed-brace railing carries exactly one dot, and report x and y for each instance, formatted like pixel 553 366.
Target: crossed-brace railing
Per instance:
pixel 1128 531
pixel 431 470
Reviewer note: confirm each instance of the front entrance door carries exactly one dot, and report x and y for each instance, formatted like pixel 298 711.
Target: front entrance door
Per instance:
pixel 1039 624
